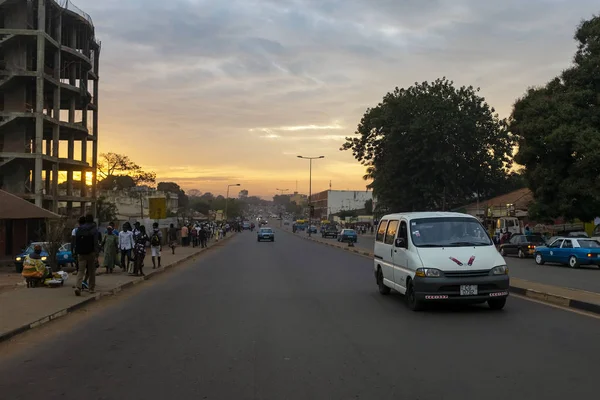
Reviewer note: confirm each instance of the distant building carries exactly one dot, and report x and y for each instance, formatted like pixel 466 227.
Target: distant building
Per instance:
pixel 514 204
pixel 331 202
pixel 132 203
pixel 243 194
pixel 299 199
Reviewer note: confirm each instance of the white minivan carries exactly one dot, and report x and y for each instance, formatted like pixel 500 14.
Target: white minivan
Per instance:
pixel 439 257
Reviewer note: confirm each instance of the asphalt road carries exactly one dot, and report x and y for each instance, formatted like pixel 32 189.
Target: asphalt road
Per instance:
pixel 298 320
pixel 584 278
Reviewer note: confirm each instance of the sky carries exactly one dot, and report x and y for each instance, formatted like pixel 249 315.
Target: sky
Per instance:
pixel 209 93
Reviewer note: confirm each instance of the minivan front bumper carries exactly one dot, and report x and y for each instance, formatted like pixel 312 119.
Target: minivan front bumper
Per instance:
pixel 448 289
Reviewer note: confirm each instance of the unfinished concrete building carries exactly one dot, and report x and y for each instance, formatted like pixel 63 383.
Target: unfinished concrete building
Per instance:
pixel 49 59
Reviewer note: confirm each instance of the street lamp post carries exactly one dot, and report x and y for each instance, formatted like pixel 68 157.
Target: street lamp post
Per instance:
pixel 227 198
pixel 310 187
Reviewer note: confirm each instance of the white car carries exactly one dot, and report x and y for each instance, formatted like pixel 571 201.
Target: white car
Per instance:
pixel 439 257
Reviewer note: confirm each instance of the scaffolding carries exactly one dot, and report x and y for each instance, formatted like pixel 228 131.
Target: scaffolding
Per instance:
pixel 49 73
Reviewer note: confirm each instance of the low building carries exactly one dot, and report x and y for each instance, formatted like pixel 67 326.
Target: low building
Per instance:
pixel 134 203
pixel 515 204
pixel 21 222
pixel 299 199
pixel 331 202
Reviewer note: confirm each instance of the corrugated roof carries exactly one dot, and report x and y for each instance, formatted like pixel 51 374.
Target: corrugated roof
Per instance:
pixel 13 207
pixel 520 198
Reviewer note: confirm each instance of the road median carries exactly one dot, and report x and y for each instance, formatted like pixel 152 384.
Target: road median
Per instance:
pixel 575 299
pixel 23 309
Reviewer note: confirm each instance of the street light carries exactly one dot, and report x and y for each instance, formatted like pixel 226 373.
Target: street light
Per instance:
pixel 227 198
pixel 310 187
pixel 282 190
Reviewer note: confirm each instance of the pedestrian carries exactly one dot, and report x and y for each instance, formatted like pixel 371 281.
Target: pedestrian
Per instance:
pixel 172 237
pixel 126 244
pixel 86 242
pixel 155 244
pixel 202 237
pixel 194 236
pixel 140 251
pixel 110 244
pixel 184 235
pixel 73 243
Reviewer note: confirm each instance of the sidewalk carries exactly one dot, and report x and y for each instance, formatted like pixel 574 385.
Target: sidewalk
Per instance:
pixel 560 296
pixel 22 309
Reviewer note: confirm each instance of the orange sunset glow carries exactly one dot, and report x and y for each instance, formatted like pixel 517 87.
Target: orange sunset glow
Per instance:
pixel 211 93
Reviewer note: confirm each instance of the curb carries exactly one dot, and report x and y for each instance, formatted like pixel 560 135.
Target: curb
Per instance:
pixel 543 297
pixel 98 296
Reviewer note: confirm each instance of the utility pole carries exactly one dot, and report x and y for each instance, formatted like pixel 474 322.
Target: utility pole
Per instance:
pixel 310 207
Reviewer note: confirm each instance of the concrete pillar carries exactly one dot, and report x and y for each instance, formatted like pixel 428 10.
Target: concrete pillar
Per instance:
pixel 39 103
pixel 70 155
pixel 56 128
pixel 96 67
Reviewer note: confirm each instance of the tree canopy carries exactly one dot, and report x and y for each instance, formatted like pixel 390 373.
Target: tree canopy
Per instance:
pixel 112 164
pixel 432 146
pixel 558 130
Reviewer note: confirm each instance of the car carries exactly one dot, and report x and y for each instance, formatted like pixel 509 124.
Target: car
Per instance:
pixel 521 245
pixel 312 229
pixel 265 234
pixel 330 231
pixel 286 223
pixel 65 255
pixel 348 235
pixel 20 258
pixel 246 225
pixel 570 251
pixel 439 257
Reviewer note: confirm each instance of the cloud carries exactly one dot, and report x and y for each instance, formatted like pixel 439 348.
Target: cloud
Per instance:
pixel 236 86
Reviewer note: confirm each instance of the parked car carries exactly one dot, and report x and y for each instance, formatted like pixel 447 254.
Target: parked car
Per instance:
pixel 330 231
pixel 521 245
pixel 439 257
pixel 573 252
pixel 64 255
pixel 348 235
pixel 265 234
pixel 312 229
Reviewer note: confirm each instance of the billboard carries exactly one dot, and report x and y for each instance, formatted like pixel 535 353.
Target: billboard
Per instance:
pixel 158 207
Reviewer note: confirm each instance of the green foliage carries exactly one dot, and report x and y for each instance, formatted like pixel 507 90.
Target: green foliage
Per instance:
pixel 281 199
pixel 106 211
pixel 172 187
pixel 118 182
pixel 558 130
pixel 431 146
pixel 369 207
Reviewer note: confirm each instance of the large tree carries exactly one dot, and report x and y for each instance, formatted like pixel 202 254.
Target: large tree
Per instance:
pixel 111 165
pixel 172 187
pixel 432 146
pixel 558 127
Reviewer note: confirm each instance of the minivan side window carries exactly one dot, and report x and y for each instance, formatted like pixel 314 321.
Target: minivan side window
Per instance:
pixel 403 231
pixel 390 235
pixel 381 230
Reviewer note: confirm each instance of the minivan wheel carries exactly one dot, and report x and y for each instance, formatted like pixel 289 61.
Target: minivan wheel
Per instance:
pixel 382 288
pixel 411 298
pixel 497 304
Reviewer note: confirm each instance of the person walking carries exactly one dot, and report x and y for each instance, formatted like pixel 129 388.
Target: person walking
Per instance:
pixel 155 244
pixel 202 237
pixel 140 251
pixel 184 235
pixel 172 237
pixel 86 242
pixel 110 244
pixel 126 244
pixel 73 243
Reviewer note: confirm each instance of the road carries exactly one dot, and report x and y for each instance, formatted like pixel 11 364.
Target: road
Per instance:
pixel 298 320
pixel 584 278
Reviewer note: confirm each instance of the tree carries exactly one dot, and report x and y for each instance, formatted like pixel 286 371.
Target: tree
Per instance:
pixel 347 213
pixel 113 164
pixel 118 182
pixel 194 193
pixel 369 207
pixel 172 187
pixel 56 233
pixel 431 146
pixel 558 129
pixel 106 210
pixel 281 199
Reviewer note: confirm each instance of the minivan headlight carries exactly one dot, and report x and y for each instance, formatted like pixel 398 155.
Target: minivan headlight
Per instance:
pixel 44 258
pixel 428 272
pixel 500 270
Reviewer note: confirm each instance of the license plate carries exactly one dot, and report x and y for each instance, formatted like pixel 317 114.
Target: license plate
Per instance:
pixel 468 290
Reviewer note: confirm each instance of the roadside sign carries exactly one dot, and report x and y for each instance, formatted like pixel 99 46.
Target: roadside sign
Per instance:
pixel 158 207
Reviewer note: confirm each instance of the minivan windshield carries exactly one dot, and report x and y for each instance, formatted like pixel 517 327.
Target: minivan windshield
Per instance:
pixel 448 232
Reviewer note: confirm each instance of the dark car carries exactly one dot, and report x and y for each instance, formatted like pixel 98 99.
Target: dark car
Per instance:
pixel 521 245
pixel 330 231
